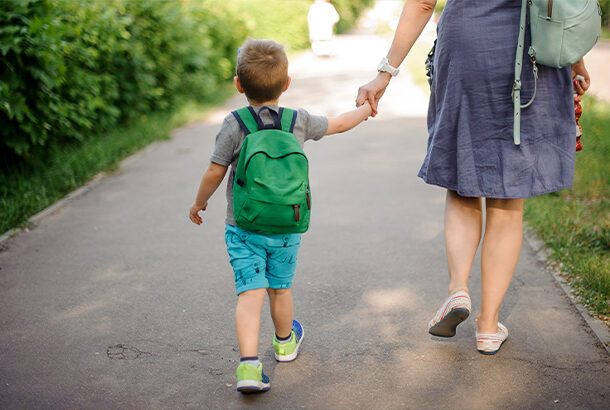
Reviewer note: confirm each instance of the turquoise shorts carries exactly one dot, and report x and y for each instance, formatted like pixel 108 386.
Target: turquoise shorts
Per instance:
pixel 262 261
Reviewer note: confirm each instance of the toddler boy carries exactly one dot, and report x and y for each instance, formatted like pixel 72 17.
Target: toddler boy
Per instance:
pixel 263 264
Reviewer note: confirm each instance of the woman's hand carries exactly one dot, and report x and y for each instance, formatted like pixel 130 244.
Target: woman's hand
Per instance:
pixel 373 90
pixel 578 68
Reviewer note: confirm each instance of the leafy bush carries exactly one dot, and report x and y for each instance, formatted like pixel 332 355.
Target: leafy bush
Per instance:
pixel 350 10
pixel 285 21
pixel 440 5
pixel 279 20
pixel 71 69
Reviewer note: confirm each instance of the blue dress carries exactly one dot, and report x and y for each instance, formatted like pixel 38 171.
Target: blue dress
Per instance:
pixel 470 117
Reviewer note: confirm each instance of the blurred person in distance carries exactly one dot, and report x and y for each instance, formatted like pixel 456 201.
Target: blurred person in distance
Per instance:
pixel 321 18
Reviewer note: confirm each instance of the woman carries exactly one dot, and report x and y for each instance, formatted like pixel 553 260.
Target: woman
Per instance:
pixel 471 151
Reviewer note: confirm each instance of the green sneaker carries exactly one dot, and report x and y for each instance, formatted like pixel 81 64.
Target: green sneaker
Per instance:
pixel 287 352
pixel 252 379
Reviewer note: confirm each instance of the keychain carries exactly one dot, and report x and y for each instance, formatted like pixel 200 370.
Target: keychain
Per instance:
pixel 578 113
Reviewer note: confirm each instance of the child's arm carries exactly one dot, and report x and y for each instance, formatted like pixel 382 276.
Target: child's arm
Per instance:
pixel 212 178
pixel 348 120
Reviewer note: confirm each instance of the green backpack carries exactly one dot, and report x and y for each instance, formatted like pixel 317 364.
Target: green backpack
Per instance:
pixel 271 186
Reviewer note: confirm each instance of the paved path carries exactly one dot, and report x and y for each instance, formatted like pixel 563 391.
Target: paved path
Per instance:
pixel 118 301
pixel 597 62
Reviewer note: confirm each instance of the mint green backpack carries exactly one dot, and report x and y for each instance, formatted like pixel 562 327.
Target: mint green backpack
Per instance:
pixel 562 32
pixel 271 186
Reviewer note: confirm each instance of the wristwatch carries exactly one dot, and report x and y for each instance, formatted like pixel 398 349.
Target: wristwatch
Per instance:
pixel 384 66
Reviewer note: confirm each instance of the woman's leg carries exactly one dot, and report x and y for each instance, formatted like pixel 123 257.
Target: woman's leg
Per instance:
pixel 499 255
pixel 463 224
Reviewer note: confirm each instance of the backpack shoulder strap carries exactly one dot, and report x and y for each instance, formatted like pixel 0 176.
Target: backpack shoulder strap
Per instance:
pixel 247 119
pixel 516 94
pixel 288 118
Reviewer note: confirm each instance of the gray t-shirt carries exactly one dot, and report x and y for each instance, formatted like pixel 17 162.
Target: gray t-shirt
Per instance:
pixel 231 137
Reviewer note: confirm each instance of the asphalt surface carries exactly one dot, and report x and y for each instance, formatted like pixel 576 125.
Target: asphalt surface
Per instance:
pixel 116 300
pixel 597 61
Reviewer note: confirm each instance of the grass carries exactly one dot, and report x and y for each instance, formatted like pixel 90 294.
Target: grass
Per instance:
pixel 27 190
pixel 575 223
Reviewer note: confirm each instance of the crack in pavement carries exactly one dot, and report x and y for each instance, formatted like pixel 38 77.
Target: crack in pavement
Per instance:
pixel 125 352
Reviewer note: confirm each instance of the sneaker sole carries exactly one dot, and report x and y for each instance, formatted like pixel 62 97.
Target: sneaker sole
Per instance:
pixel 447 326
pixel 292 356
pixel 490 352
pixel 252 386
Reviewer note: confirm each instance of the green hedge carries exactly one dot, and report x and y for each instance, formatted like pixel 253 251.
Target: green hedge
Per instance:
pixel 605 5
pixel 71 69
pixel 285 21
pixel 349 11
pixel 440 5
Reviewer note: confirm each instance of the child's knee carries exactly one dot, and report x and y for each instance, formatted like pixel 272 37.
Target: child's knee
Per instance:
pixel 251 295
pixel 278 292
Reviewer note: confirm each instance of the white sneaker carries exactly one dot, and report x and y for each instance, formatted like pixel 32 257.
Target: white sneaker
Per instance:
pixel 453 312
pixel 491 343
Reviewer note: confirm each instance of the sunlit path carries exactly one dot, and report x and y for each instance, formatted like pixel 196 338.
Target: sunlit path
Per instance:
pixel 118 301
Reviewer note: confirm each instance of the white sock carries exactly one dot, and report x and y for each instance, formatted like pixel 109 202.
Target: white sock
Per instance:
pixel 254 361
pixel 280 341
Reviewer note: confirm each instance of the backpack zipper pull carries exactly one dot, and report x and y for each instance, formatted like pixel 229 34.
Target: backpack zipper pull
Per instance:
pixel 308 199
pixel 297 215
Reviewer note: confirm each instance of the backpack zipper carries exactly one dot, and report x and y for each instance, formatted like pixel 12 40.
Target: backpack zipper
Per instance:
pixel 550 9
pixel 270 157
pixel 297 215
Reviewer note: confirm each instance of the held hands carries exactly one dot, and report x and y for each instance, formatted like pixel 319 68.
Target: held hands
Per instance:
pixel 372 91
pixel 578 68
pixel 194 212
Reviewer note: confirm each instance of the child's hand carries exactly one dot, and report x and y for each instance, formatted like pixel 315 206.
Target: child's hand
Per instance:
pixel 194 212
pixel 369 110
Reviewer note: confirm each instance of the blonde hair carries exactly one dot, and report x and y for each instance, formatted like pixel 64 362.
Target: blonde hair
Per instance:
pixel 262 69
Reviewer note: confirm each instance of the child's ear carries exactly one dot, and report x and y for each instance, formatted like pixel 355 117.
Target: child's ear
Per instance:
pixel 238 84
pixel 288 79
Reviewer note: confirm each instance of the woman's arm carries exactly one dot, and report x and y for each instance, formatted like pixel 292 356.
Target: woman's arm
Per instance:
pixel 413 19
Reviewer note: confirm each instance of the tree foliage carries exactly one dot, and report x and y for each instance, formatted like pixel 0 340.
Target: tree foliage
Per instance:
pixel 73 68
pixel 349 11
pixel 605 5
